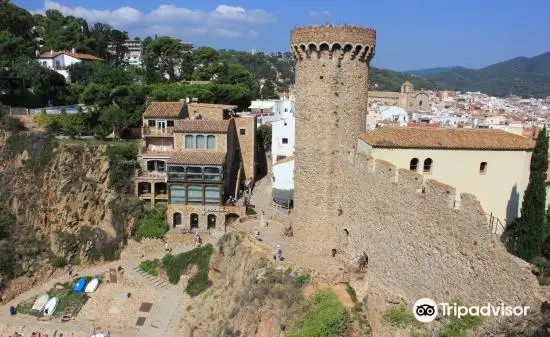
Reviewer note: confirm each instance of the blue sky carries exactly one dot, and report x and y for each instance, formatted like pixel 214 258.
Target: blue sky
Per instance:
pixel 411 34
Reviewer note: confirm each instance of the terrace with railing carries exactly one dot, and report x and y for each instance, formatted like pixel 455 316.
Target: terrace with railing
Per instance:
pixel 155 132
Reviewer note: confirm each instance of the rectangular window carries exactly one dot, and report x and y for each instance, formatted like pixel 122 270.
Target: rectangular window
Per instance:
pixel 211 142
pixel 177 173
pixel 242 131
pixel 189 142
pixel 161 166
pixel 212 195
pixel 194 194
pixel 194 173
pixel 177 194
pixel 285 140
pixel 152 123
pixel 212 174
pixel 170 123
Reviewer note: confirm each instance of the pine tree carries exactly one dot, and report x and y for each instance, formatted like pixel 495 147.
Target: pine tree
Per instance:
pixel 531 230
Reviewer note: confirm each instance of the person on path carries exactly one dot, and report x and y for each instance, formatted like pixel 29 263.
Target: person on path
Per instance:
pixel 166 249
pixel 257 236
pixel 278 253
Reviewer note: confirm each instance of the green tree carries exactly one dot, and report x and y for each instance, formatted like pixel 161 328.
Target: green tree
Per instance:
pixel 117 39
pixel 531 226
pixel 164 55
pixel 14 47
pixel 264 136
pixel 115 118
pixel 268 90
pixel 95 94
pixel 205 56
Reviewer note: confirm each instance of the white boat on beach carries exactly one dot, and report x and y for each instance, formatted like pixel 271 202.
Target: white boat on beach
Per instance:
pixel 92 286
pixel 50 307
pixel 40 303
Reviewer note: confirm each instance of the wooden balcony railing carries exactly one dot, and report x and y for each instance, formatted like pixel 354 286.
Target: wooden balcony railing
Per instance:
pixel 149 131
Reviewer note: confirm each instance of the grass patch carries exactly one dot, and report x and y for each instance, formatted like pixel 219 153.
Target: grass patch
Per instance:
pixel 152 224
pixel 177 265
pixel 398 317
pixel 352 293
pixel 150 267
pixel 64 292
pixel 303 279
pixel 327 317
pixel 460 327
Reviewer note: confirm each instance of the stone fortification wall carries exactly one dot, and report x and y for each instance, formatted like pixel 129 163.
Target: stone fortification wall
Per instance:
pixel 419 245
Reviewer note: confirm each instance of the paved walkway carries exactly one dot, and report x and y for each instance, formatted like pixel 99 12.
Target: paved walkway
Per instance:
pixel 166 312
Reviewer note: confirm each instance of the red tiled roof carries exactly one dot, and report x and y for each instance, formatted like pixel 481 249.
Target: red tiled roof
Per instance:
pixel 197 158
pixel 428 138
pixel 164 110
pixel 202 125
pixel 80 56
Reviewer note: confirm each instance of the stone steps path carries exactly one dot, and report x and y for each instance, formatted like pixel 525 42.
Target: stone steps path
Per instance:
pixel 154 280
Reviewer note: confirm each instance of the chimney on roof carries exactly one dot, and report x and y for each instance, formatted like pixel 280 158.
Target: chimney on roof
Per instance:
pixel 51 51
pixel 73 50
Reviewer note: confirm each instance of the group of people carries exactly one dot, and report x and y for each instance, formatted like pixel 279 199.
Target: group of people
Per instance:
pixel 278 254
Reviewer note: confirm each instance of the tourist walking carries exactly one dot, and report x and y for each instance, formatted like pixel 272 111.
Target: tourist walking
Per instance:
pixel 257 236
pixel 166 249
pixel 278 254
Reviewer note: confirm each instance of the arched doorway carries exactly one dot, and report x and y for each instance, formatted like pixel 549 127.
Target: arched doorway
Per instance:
pixel 194 220
pixel 211 221
pixel 176 220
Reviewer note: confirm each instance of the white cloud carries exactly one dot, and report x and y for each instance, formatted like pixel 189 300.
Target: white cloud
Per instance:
pixel 223 21
pixel 252 33
pixel 324 13
pixel 228 33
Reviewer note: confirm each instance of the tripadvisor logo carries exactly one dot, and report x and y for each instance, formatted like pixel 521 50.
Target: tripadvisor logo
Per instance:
pixel 425 310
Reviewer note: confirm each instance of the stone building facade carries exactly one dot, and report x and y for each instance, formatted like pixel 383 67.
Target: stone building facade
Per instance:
pixel 418 244
pixel 194 157
pixel 408 98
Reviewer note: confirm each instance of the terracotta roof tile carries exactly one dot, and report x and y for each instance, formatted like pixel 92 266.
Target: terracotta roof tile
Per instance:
pixel 429 138
pixel 202 125
pixel 164 110
pixel 197 158
pixel 80 56
pixel 211 105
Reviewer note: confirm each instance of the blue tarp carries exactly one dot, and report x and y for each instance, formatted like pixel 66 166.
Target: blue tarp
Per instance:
pixel 79 286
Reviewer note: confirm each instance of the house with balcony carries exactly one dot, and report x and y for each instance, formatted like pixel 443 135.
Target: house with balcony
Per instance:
pixel 196 166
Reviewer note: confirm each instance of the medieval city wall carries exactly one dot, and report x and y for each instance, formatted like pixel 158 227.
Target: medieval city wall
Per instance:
pixel 419 245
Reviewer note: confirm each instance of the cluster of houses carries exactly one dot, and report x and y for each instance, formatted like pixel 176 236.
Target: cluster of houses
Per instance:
pixel 201 159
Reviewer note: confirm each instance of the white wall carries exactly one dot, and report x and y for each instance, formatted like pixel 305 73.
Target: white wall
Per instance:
pixel 500 190
pixel 285 128
pixel 283 176
pixel 281 109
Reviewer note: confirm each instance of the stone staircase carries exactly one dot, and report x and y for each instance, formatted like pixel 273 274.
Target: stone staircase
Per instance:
pixel 153 280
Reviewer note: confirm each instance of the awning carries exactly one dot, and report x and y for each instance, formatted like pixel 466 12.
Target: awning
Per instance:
pixel 261 105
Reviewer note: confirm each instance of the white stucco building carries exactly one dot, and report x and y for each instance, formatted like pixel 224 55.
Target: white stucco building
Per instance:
pixel 283 182
pixel 493 165
pixel 283 138
pixel 60 61
pixel 270 111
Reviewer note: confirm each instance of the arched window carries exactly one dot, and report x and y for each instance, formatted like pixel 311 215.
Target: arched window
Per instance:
pixel 194 220
pixel 189 142
pixel 414 164
pixel 483 167
pixel 428 165
pixel 420 103
pixel 211 142
pixel 176 221
pixel 199 142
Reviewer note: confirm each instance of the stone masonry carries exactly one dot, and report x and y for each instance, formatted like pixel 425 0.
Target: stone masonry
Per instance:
pixel 331 104
pixel 418 244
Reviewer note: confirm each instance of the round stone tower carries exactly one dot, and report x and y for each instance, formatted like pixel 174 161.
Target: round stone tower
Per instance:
pixel 332 72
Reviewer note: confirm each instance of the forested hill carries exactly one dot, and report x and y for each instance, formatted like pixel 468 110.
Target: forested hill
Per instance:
pixel 527 77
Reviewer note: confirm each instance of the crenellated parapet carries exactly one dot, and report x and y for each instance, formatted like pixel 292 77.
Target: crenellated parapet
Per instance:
pixel 350 42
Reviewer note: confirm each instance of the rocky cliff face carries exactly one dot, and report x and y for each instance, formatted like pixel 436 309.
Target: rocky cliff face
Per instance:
pixel 59 194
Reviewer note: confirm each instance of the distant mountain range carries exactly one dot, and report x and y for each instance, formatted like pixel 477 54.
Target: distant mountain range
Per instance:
pixel 523 76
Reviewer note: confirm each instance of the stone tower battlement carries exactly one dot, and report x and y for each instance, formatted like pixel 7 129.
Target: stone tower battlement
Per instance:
pixel 353 42
pixel 332 72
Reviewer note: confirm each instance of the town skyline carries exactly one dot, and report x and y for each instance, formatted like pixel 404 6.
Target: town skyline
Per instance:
pixel 473 35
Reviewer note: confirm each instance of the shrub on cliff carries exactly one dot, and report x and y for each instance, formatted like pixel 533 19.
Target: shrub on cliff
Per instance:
pixel 122 160
pixel 531 227
pixel 178 265
pixel 327 317
pixel 152 223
